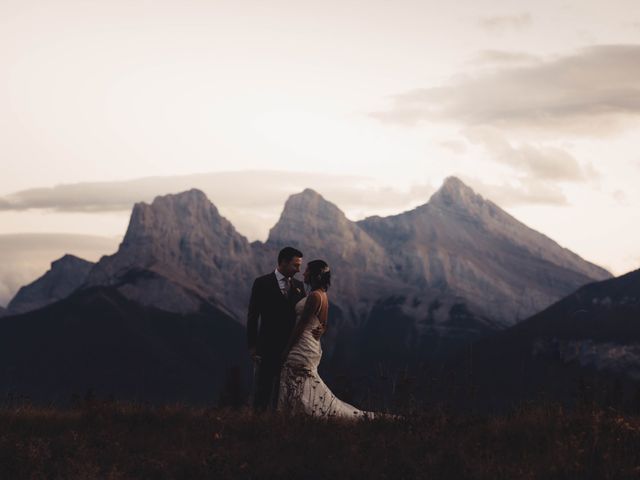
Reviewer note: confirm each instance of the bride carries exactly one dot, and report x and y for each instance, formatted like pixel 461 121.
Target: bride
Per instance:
pixel 301 388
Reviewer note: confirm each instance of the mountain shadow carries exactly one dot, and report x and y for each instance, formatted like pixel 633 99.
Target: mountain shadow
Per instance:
pixel 585 347
pixel 98 340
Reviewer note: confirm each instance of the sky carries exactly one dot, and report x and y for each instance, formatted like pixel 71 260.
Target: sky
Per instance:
pixel 535 105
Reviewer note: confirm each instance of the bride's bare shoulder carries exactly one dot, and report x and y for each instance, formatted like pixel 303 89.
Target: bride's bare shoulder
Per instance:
pixel 313 300
pixel 314 294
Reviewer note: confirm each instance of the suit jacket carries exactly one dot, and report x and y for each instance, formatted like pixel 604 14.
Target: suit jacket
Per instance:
pixel 276 314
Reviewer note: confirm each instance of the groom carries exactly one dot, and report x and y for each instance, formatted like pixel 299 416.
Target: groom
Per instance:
pixel 273 300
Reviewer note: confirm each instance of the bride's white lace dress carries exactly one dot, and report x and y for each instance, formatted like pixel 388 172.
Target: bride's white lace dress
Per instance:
pixel 301 388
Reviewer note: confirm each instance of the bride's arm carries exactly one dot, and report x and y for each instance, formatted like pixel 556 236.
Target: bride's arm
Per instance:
pixel 311 308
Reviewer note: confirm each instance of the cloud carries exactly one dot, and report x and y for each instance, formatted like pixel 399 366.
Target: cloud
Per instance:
pixel 454 146
pixel 541 163
pixel 594 91
pixel 25 257
pixel 251 200
pixel 621 197
pixel 521 192
pixel 504 58
pixel 247 189
pixel 506 22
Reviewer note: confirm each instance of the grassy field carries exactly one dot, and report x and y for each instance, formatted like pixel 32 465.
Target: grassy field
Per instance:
pixel 113 440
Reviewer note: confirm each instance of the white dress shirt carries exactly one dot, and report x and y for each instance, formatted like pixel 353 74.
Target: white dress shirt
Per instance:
pixel 282 282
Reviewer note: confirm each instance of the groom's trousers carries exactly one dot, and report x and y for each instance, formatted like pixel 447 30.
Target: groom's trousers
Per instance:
pixel 267 384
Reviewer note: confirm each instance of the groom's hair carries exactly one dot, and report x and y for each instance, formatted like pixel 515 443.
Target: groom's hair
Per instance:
pixel 287 253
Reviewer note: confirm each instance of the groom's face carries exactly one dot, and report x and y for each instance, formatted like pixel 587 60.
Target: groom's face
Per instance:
pixel 291 267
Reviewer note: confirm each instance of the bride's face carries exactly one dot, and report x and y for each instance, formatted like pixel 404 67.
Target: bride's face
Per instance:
pixel 305 275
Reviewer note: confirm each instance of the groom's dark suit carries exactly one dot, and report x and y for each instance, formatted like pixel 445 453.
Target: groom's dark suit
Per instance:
pixel 277 315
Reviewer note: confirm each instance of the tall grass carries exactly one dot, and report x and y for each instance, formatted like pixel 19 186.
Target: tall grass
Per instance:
pixel 117 440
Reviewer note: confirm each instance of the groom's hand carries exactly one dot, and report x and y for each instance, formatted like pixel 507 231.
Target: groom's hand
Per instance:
pixel 252 353
pixel 317 332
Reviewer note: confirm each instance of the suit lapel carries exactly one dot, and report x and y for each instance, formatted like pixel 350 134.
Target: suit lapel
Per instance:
pixel 296 295
pixel 276 288
pixel 298 290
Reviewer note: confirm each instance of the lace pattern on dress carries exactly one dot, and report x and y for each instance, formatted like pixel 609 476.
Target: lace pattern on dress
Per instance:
pixel 301 388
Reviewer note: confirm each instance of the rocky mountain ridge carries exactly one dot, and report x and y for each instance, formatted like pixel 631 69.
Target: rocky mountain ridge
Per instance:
pixel 457 263
pixel 65 275
pixel 589 339
pixel 459 242
pixel 181 252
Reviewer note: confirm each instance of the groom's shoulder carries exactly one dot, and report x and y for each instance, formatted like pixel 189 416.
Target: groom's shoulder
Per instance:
pixel 263 278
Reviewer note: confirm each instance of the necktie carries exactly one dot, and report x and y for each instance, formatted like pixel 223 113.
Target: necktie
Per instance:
pixel 287 281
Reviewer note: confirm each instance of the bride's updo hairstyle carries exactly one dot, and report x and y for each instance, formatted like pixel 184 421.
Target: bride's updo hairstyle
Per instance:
pixel 319 274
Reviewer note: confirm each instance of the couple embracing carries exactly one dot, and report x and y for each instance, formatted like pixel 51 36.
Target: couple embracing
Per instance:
pixel 284 328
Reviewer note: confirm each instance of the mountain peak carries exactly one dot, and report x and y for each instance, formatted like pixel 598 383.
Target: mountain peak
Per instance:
pixel 69 259
pixel 310 193
pixel 455 193
pixel 182 243
pixel 310 203
pixel 321 230
pixel 193 195
pixel 173 212
pixel 66 274
pixel 190 200
pixel 454 183
pixel 305 212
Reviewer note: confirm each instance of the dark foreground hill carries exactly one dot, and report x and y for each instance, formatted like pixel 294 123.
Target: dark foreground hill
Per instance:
pixel 96 339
